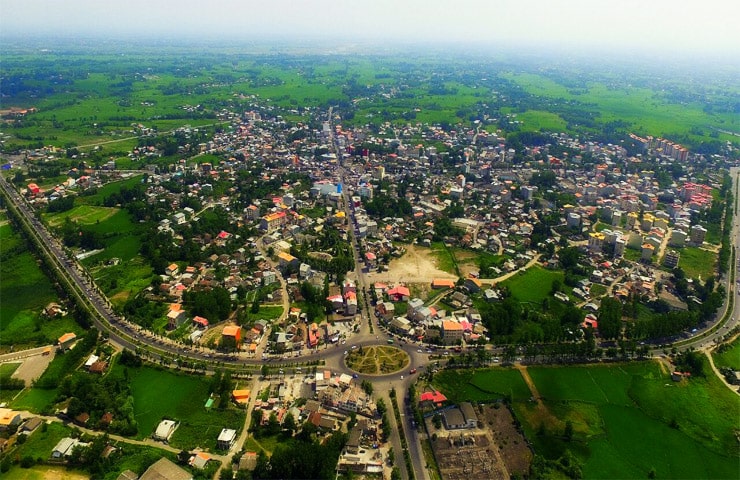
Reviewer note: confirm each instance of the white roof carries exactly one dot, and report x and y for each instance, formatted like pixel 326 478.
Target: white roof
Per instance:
pixel 226 435
pixel 93 358
pixel 165 429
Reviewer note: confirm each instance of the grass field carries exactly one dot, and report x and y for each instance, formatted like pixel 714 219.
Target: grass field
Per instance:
pixel 481 385
pixel 44 472
pixel 697 263
pixel 7 369
pixel 81 214
pixel 534 285
pixel 35 400
pixel 445 260
pixel 729 358
pixel 269 312
pixel 24 291
pixel 627 418
pixel 185 399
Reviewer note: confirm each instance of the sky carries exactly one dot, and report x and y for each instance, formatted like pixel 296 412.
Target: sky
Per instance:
pixel 656 25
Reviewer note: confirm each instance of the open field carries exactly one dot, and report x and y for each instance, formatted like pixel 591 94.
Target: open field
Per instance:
pixel 534 285
pixel 44 472
pixel 81 214
pixel 418 265
pixel 35 400
pixel 377 360
pixel 729 358
pixel 697 263
pixel 483 385
pixel 622 417
pixel 186 397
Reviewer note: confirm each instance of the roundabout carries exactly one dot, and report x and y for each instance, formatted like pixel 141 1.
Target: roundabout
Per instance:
pixel 377 360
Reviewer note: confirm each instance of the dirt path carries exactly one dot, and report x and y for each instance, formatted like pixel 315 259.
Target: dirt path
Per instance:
pixel 719 374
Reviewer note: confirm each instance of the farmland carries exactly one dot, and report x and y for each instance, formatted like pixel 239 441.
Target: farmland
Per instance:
pixel 25 291
pixel 627 419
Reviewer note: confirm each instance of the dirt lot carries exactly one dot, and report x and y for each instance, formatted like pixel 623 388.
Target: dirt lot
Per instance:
pixel 467 455
pixel 418 265
pixel 513 447
pixel 497 450
pixel 32 366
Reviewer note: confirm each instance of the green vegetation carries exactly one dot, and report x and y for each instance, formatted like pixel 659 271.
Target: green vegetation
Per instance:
pixel 186 397
pixel 25 291
pixel 483 385
pixel 35 400
pixel 728 355
pixel 697 262
pixel 534 285
pixel 620 420
pixel 445 258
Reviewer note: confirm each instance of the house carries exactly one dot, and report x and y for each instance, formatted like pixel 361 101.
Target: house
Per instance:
pixel 434 397
pixel 65 447
pixel 453 419
pixel 65 341
pixel 399 294
pixel 473 285
pixel 232 334
pixel 353 441
pixel 438 283
pixel 9 418
pixel 164 430
pixel 226 439
pixel 240 397
pixel 200 322
pixel 30 425
pixel 199 460
pixel 471 419
pixel 172 270
pixel 164 469
pixel 248 461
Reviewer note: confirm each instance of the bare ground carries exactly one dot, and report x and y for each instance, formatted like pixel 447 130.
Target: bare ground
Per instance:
pixel 32 367
pixel 418 265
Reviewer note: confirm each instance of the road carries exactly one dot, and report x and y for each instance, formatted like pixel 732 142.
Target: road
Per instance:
pixel 127 335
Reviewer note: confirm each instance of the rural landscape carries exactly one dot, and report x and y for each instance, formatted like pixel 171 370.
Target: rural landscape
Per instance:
pixel 223 259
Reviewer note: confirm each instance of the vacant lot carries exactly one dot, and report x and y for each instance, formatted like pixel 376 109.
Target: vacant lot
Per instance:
pixel 697 263
pixel 378 360
pixel 418 265
pixel 482 385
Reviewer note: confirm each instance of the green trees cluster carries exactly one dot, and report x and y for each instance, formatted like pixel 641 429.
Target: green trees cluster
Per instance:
pixel 213 304
pixel 221 385
pixel 302 457
pixel 61 204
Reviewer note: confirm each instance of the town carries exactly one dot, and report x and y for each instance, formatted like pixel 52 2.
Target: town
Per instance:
pixel 289 292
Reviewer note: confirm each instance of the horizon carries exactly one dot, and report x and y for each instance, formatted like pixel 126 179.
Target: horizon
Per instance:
pixel 602 28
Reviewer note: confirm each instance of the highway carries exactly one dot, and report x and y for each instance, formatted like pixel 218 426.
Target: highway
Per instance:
pixel 127 335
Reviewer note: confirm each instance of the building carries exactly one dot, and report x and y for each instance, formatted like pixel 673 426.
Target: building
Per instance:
pixel 164 430
pixel 462 416
pixel 9 418
pixel 164 469
pixel 273 221
pixel 240 397
pixel 233 334
pixel 65 446
pixel 698 234
pixel 671 259
pixel 452 331
pixel 226 439
pixel 66 341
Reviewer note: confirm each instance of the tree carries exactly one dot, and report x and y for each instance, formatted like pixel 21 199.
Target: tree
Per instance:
pixel 289 424
pixel 568 433
pixel 610 318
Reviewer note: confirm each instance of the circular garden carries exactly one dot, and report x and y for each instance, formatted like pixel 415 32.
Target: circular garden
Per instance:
pixel 377 360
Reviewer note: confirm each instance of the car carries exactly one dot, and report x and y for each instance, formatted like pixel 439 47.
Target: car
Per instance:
pixel 446 354
pixel 420 351
pixel 412 371
pixel 401 377
pixel 345 352
pixel 354 375
pixel 354 347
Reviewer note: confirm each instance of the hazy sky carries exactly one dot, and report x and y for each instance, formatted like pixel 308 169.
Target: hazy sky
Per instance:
pixel 671 25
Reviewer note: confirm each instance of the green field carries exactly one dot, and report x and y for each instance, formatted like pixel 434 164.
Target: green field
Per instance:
pixel 534 285
pixel 268 312
pixel 25 290
pixel 481 385
pixel 185 399
pixel 82 215
pixel 444 257
pixel 35 400
pixel 697 263
pixel 627 418
pixel 730 357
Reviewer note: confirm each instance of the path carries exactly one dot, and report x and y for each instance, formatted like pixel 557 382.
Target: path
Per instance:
pixel 494 281
pixel 716 371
